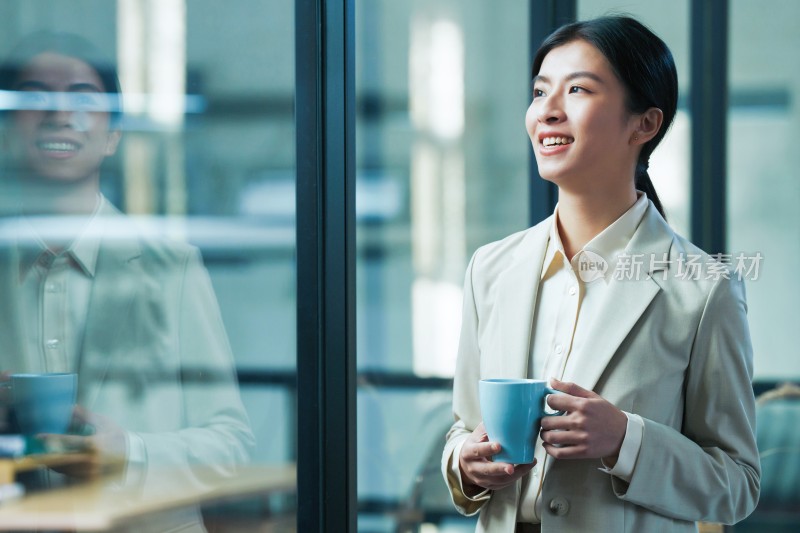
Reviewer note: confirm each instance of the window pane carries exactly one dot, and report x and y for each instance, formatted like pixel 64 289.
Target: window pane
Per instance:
pixel 670 162
pixel 442 157
pixel 764 191
pixel 763 227
pixel 148 246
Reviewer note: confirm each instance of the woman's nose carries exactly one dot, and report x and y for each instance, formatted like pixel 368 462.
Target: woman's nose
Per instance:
pixel 57 118
pixel 551 111
pixel 60 111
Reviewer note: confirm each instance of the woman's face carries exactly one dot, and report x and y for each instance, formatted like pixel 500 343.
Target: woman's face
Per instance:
pixel 579 126
pixel 64 131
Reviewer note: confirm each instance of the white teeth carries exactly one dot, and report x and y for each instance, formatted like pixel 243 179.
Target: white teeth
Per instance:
pixel 551 141
pixel 58 146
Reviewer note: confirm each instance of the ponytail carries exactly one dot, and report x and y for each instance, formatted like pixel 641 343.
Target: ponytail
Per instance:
pixel 645 184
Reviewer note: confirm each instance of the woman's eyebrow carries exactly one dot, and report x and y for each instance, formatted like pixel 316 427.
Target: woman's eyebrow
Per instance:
pixel 34 85
pixel 31 85
pixel 85 87
pixel 572 76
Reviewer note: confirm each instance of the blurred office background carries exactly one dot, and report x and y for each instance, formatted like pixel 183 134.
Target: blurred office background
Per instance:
pixel 442 87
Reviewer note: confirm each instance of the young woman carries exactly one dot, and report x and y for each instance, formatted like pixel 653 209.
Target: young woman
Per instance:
pixel 655 361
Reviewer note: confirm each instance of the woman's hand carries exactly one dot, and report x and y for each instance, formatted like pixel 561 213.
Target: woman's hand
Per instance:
pixel 592 427
pixel 107 445
pixel 478 470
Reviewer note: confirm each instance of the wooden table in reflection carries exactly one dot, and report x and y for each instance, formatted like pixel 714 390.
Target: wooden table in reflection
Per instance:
pixel 101 504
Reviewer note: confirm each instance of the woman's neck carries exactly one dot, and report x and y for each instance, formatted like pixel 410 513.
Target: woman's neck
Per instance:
pixel 50 197
pixel 581 217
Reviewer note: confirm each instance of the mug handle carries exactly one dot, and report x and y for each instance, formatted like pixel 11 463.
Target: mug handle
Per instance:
pixel 550 391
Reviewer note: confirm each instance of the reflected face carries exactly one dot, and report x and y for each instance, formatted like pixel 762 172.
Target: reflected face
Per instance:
pixel 578 123
pixel 64 133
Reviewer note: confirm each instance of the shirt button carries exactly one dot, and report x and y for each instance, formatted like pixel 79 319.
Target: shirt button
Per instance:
pixel 53 287
pixel 535 471
pixel 559 506
pixel 559 348
pixel 52 344
pixel 572 291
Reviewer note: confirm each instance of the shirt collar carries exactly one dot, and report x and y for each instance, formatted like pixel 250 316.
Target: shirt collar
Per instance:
pixel 85 248
pixel 82 251
pixel 612 241
pixel 30 246
pixel 608 244
pixel 554 257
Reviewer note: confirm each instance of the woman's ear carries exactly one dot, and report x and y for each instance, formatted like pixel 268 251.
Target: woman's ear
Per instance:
pixel 647 125
pixel 112 142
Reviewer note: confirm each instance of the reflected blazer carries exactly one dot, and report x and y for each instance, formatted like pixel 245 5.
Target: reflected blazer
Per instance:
pixel 155 358
pixel 675 351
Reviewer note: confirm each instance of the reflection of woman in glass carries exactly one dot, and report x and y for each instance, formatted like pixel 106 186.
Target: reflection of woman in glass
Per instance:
pixel 63 130
pixel 656 365
pixel 89 292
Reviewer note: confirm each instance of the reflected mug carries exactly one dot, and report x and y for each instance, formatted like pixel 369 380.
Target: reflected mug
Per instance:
pixel 512 411
pixel 43 403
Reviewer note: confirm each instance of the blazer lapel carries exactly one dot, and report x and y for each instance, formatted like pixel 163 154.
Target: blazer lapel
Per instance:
pixel 113 293
pixel 516 300
pixel 626 300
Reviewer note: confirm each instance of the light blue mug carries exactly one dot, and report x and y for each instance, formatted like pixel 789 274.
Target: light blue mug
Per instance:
pixel 512 411
pixel 43 403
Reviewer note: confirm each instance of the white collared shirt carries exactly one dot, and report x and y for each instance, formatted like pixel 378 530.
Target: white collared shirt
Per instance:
pixel 55 290
pixel 567 302
pixel 55 287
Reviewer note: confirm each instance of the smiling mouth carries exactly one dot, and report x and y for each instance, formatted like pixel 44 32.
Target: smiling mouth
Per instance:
pixel 62 147
pixel 557 141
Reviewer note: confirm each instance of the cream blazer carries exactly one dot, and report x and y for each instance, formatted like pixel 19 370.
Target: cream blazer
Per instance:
pixel 155 359
pixel 675 351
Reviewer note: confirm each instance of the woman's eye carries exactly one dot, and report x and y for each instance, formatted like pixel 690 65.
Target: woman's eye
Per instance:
pixel 34 100
pixel 85 101
pixel 537 93
pixel 576 89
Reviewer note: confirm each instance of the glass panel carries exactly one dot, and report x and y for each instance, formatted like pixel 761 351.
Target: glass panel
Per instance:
pixel 763 227
pixel 148 248
pixel 442 158
pixel 764 193
pixel 671 161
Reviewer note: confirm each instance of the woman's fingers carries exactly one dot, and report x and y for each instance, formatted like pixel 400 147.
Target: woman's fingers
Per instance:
pixel 591 428
pixel 572 389
pixel 578 451
pixel 481 449
pixel 499 475
pixel 478 468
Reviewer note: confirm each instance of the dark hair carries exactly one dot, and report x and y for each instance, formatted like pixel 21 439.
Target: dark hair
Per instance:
pixel 643 64
pixel 69 45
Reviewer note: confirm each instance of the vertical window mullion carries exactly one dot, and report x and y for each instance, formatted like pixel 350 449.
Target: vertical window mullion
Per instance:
pixel 324 37
pixel 545 17
pixel 709 108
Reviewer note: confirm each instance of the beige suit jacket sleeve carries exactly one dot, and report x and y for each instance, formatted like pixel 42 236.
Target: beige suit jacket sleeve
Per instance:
pixel 216 435
pixel 710 469
pixel 466 407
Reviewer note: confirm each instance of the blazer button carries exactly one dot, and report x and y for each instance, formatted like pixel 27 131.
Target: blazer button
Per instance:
pixel 559 506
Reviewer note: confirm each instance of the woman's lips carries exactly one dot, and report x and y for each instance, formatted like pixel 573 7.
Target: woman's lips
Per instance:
pixel 58 149
pixel 556 140
pixel 553 145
